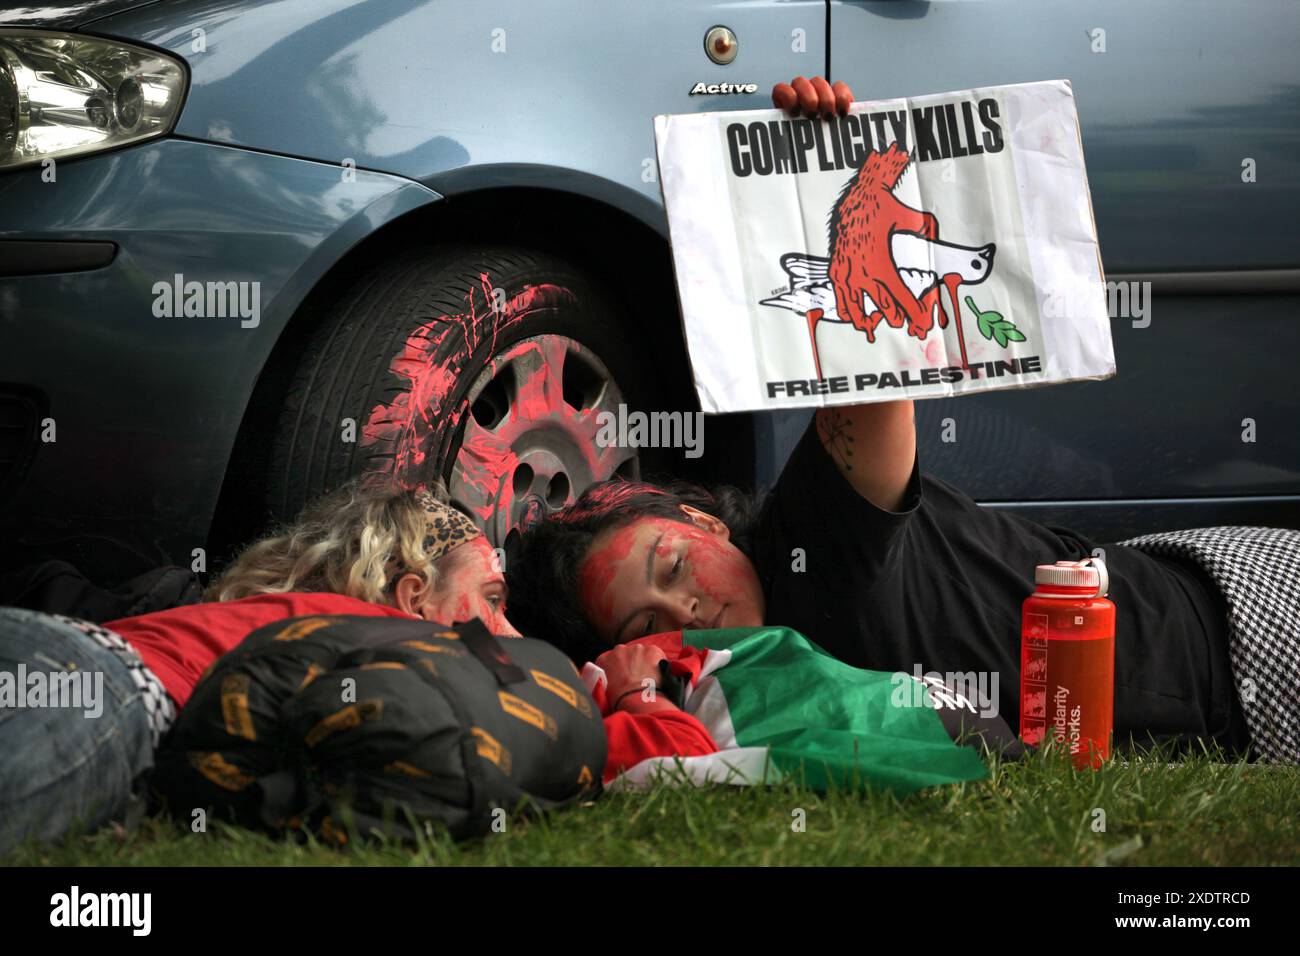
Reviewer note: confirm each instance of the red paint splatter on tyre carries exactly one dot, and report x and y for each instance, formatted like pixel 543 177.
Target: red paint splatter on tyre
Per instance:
pixel 409 423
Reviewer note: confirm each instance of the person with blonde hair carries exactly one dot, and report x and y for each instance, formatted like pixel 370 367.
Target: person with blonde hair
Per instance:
pixel 379 542
pixel 370 548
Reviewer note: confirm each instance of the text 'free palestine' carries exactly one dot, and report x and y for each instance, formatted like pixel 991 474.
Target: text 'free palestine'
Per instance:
pixel 905 378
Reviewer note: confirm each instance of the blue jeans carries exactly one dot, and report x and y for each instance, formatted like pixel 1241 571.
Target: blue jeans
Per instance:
pixel 64 767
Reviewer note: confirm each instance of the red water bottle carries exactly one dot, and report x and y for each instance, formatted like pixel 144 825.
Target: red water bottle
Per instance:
pixel 1067 660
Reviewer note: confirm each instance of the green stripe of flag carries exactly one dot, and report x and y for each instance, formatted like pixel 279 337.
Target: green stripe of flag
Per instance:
pixel 826 722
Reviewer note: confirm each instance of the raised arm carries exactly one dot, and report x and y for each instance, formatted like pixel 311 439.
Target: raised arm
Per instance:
pixel 873 446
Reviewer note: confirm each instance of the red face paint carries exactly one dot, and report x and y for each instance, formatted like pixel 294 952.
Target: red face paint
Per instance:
pixel 699 579
pixel 715 567
pixel 469 586
pixel 604 561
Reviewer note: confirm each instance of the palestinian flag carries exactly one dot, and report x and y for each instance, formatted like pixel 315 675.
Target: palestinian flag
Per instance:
pixel 779 707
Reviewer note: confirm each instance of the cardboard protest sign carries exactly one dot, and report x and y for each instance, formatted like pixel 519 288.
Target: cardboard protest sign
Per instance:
pixel 916 248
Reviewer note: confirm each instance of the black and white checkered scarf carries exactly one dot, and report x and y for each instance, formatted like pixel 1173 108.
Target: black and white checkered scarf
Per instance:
pixel 158 704
pixel 1258 572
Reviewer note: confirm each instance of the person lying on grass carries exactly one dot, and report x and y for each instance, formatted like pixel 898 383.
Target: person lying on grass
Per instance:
pixel 890 569
pixel 882 566
pixel 375 549
pixel 857 736
pixel 372 548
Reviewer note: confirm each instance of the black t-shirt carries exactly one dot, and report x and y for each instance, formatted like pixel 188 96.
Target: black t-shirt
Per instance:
pixel 940 584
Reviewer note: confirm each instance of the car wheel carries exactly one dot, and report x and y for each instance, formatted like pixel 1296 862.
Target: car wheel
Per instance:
pixel 485 368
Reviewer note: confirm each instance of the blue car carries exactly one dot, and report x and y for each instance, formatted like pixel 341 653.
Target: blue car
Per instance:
pixel 249 248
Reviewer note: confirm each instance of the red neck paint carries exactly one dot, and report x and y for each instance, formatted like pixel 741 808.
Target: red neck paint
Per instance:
pixel 1067 661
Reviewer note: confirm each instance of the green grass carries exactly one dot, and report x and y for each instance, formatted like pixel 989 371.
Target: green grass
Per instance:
pixel 1193 812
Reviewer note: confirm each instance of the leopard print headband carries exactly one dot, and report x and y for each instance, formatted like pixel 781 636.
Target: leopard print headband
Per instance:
pixel 446 528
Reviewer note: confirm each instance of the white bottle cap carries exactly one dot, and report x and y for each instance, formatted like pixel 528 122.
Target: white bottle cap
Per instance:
pixel 1088 573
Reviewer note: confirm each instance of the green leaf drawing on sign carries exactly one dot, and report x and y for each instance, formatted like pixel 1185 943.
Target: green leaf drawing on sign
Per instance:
pixel 993 326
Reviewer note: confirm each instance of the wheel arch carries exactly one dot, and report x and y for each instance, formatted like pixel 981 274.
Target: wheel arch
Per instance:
pixel 620 250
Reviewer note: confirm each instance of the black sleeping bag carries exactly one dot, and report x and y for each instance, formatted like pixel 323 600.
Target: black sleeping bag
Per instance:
pixel 373 724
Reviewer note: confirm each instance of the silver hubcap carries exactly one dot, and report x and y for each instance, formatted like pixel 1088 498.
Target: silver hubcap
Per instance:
pixel 530 438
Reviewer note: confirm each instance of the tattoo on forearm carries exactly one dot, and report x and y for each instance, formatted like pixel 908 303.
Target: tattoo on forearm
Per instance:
pixel 837 435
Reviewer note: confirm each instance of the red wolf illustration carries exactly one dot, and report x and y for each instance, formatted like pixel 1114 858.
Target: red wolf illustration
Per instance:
pixel 866 264
pixel 886 262
pixel 862 222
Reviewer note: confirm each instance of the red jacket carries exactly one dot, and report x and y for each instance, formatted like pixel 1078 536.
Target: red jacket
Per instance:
pixel 637 737
pixel 178 644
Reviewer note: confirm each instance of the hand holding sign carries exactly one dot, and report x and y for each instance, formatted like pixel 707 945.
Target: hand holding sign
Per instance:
pixel 812 97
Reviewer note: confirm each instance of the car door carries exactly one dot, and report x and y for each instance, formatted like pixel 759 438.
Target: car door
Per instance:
pixel 1189 112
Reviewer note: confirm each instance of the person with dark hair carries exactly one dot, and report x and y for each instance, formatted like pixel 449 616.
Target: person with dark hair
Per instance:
pixel 890 569
pixel 546 564
pixel 884 567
